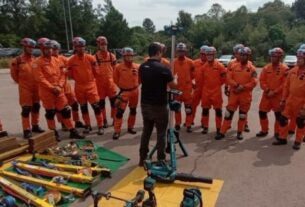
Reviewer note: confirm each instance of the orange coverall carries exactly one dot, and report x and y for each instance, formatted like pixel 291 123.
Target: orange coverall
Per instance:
pixel 213 76
pixel 271 78
pixel 104 79
pixel 49 74
pixel 22 74
pixel 69 91
pixel 82 70
pixel 184 68
pixel 198 63
pixel 163 60
pixel 294 96
pixel 244 75
pixel 126 78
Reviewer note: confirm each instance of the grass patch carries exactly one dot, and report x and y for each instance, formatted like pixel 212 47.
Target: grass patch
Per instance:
pixel 5 63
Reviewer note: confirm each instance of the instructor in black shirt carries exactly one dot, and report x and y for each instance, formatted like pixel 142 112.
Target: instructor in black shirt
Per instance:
pixel 155 77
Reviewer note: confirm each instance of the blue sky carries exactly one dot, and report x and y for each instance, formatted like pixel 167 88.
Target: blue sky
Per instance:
pixel 162 12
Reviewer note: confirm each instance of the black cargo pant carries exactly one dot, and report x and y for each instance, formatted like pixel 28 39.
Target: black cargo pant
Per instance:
pixel 154 115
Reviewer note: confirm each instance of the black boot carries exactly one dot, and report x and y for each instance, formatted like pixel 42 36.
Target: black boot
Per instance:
pixel 177 127
pixel 219 136
pixel 105 124
pixel 290 132
pixel 189 129
pixel 74 134
pixel 3 134
pixel 280 142
pixel 247 129
pixel 132 131
pixel 79 124
pixel 27 134
pixel 87 129
pixel 204 130
pixel 37 129
pixel 116 135
pixel 239 136
pixel 56 135
pixel 100 131
pixel 276 136
pixel 261 134
pixel 296 146
pixel 63 127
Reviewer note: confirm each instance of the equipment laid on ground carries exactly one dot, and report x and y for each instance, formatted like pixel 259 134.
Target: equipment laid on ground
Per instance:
pixel 167 172
pixel 191 198
pixel 42 141
pixel 149 186
pixel 128 203
pixel 18 192
pixel 11 147
pixel 36 190
pixel 48 184
pixel 8 201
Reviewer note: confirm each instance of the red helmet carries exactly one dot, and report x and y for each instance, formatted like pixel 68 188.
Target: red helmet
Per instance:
pixel 210 51
pixel 301 53
pixel 101 40
pixel 127 51
pixel 276 52
pixel 55 44
pixel 181 47
pixel 237 47
pixel 79 42
pixel 28 42
pixel 41 42
pixel 245 51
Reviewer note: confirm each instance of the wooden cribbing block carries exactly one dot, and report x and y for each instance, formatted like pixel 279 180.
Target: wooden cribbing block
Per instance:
pixel 42 141
pixel 13 152
pixel 8 143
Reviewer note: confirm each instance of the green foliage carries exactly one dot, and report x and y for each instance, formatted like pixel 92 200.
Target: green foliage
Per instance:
pixel 148 25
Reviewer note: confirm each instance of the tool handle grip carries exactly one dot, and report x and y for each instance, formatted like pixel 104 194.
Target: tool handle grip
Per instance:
pixel 190 178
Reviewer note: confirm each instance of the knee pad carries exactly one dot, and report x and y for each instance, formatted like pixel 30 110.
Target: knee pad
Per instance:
pixel 36 108
pixel 119 113
pixel 26 110
pixel 102 104
pixel 218 112
pixel 84 108
pixel 205 112
pixel 66 112
pixel 50 114
pixel 283 121
pixel 112 102
pixel 242 115
pixel 277 116
pixel 300 122
pixel 96 108
pixel 74 106
pixel 133 111
pixel 188 110
pixel 229 115
pixel 262 115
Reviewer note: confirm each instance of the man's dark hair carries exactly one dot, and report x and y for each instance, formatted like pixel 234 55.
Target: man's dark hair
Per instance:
pixel 153 49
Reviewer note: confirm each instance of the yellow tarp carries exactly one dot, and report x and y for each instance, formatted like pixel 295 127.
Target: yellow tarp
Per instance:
pixel 168 195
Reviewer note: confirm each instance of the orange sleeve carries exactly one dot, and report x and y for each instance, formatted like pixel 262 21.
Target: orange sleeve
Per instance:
pixel 253 80
pixel 230 81
pixel 62 80
pixel 69 69
pixel 14 70
pixel 192 69
pixel 41 78
pixel 116 74
pixel 263 80
pixel 223 73
pixel 284 77
pixel 286 88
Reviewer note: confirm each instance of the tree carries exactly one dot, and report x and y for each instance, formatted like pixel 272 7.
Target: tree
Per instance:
pixel 298 8
pixel 115 27
pixel 148 25
pixel 216 11
pixel 184 20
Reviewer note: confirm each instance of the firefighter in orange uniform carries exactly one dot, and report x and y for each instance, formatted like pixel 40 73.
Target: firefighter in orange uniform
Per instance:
pixel 51 79
pixel 82 69
pixel 293 102
pixel 241 78
pixel 69 92
pixel 106 62
pixel 198 63
pixel 213 76
pixel 184 69
pixel 22 73
pixel 126 78
pixel 272 80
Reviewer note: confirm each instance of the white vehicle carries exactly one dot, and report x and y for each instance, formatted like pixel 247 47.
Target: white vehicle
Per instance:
pixel 290 60
pixel 225 59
